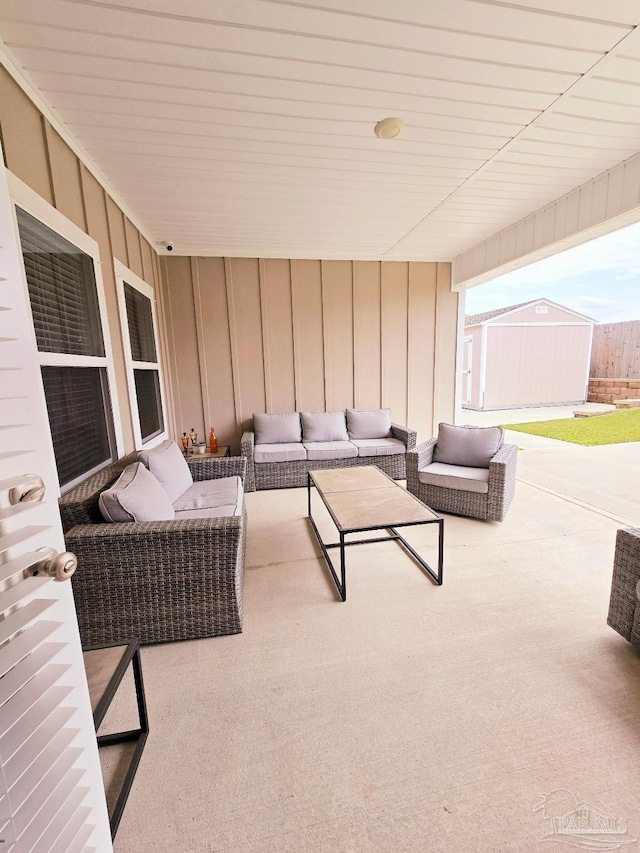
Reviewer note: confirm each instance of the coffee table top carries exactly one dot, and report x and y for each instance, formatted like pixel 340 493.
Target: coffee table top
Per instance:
pixel 366 498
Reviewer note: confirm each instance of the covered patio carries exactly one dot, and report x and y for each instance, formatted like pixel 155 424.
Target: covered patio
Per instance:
pixel 416 717
pixel 217 164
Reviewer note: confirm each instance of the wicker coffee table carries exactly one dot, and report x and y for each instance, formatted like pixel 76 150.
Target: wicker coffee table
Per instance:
pixel 363 499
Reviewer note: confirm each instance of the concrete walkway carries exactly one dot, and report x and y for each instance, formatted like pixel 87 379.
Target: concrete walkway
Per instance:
pixel 605 479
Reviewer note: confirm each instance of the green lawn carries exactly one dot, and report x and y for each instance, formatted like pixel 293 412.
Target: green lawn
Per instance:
pixel 613 428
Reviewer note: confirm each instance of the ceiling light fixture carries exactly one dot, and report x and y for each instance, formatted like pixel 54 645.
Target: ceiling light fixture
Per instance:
pixel 389 128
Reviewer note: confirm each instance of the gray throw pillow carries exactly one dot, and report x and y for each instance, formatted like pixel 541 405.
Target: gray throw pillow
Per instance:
pixel 324 426
pixel 473 447
pixel 169 467
pixel 369 423
pixel 136 496
pixel 277 429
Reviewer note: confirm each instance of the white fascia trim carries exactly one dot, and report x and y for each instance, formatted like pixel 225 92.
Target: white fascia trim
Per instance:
pixel 33 93
pixel 629 217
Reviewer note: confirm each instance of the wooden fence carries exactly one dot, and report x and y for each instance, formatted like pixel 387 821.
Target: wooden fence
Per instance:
pixel 616 351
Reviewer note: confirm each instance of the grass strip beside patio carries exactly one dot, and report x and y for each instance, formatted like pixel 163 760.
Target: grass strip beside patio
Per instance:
pixel 610 428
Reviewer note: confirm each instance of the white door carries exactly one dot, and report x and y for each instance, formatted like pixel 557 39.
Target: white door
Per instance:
pixel 467 364
pixel 51 790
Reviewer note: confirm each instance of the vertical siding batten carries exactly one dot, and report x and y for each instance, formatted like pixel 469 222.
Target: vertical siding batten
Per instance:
pixel 202 356
pixel 337 327
pixel 231 314
pixel 308 344
pixel 277 335
pixel 394 294
pixel 215 351
pixel 65 178
pixel 366 334
pixel 421 347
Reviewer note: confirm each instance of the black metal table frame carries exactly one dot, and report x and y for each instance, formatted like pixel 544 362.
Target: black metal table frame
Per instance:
pixel 131 655
pixel 341 584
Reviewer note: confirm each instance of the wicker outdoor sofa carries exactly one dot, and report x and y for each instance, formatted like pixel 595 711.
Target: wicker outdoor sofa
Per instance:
pixel 282 448
pixel 624 607
pixel 155 580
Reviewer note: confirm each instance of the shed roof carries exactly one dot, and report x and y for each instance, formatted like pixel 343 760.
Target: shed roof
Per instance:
pixel 477 319
pixel 486 316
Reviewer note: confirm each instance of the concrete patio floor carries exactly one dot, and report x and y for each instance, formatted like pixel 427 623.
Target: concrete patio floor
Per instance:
pixel 604 478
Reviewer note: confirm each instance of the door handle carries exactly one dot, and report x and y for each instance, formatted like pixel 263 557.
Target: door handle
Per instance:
pixel 59 566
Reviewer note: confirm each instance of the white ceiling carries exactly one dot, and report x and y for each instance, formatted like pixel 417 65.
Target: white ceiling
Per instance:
pixel 245 127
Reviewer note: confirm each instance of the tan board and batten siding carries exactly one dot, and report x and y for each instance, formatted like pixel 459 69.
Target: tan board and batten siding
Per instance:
pixel 526 358
pixel 239 335
pixel 38 155
pixel 308 335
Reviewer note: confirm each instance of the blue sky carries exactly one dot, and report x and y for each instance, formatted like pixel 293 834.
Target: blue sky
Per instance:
pixel 600 278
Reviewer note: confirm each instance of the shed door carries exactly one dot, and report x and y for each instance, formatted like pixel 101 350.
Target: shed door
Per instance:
pixel 51 791
pixel 467 362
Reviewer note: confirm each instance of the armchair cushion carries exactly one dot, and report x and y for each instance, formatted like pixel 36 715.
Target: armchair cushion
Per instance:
pixel 470 447
pixel 135 496
pixel 277 429
pixel 169 467
pixel 324 426
pixel 455 477
pixel 369 423
pixel 279 452
pixel 330 449
pixel 379 446
pixel 211 495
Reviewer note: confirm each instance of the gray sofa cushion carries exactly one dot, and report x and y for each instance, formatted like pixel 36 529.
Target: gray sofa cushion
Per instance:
pixel 455 477
pixel 210 495
pixel 330 449
pixel 472 447
pixel 369 423
pixel 279 452
pixel 379 446
pixel 169 467
pixel 277 429
pixel 136 496
pixel 324 426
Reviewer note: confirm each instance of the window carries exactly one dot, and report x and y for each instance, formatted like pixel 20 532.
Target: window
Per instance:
pixel 143 367
pixel 66 316
pixel 542 309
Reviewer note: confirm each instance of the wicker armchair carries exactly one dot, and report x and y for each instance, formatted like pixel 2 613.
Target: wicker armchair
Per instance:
pixel 158 580
pixel 624 607
pixel 489 506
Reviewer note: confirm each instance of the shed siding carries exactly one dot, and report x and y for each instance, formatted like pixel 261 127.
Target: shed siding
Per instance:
pixel 529 315
pixel 534 365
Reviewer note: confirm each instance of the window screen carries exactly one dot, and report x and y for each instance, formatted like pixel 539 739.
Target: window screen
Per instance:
pixel 76 401
pixel 62 291
pixel 149 408
pixel 140 320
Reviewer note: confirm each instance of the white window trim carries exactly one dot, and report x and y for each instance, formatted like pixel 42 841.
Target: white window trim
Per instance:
pixel 28 200
pixel 125 275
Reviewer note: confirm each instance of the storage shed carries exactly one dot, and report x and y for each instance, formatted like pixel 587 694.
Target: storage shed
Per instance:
pixel 532 354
